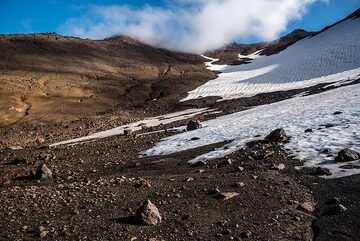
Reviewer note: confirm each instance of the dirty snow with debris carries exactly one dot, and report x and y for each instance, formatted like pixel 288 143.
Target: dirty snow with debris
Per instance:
pixel 327 57
pixel 136 126
pixel 295 116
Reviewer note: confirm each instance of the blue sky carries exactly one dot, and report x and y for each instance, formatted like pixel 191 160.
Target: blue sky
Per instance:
pixel 25 16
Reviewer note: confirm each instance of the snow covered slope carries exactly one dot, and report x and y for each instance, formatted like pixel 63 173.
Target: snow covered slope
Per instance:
pixel 295 116
pixel 332 55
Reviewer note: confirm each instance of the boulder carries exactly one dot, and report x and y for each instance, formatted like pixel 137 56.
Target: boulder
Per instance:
pixel 322 171
pixel 193 125
pixel 347 155
pixel 43 172
pixel 148 214
pixel 277 136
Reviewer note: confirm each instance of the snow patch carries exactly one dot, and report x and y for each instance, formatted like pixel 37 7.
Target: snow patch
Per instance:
pixel 295 116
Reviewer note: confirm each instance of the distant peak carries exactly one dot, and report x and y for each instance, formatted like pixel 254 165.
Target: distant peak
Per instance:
pixel 123 38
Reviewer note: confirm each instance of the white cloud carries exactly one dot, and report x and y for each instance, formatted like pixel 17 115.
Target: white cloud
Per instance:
pixel 190 25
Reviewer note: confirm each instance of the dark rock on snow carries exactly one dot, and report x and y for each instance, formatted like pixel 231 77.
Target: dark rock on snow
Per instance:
pixel 193 125
pixel 322 171
pixel 347 155
pixel 277 136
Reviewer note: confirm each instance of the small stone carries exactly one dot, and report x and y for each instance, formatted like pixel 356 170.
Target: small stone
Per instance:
pixel 198 164
pixel 240 169
pixel 332 201
pixel 322 171
pixel 245 234
pixel 277 136
pixel 334 209
pixel 15 148
pixel 40 140
pixel 193 125
pixel 279 167
pixel 18 161
pixel 347 155
pixel 227 195
pixel 308 130
pixel 190 179
pixel 148 214
pixel 225 232
pixel 307 206
pixel 42 232
pixel 195 138
pixel 43 172
pixel 240 184
pixel 329 125
pixel 337 113
pixel 201 171
pixel 215 191
pixel 76 212
pixel 128 132
pixel 227 162
pixel 143 183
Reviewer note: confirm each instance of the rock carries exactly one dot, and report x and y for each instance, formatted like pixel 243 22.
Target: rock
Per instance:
pixel 15 148
pixel 18 161
pixel 227 162
pixel 193 125
pixel 347 155
pixel 349 166
pixel 279 167
pixel 143 183
pixel 198 164
pixel 40 140
pixel 325 151
pixel 227 195
pixel 277 136
pixel 128 132
pixel 240 184
pixel 195 138
pixel 43 172
pixel 308 130
pixel 215 191
pixel 307 207
pixel 337 113
pixel 240 169
pixel 245 234
pixel 329 125
pixel 225 232
pixel 42 232
pixel 190 179
pixel 148 214
pixel 334 209
pixel 332 201
pixel 322 171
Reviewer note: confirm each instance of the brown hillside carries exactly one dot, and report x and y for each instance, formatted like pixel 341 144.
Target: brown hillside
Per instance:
pixel 51 77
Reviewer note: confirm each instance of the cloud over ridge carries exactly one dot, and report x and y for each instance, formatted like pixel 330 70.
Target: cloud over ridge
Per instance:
pixel 190 25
